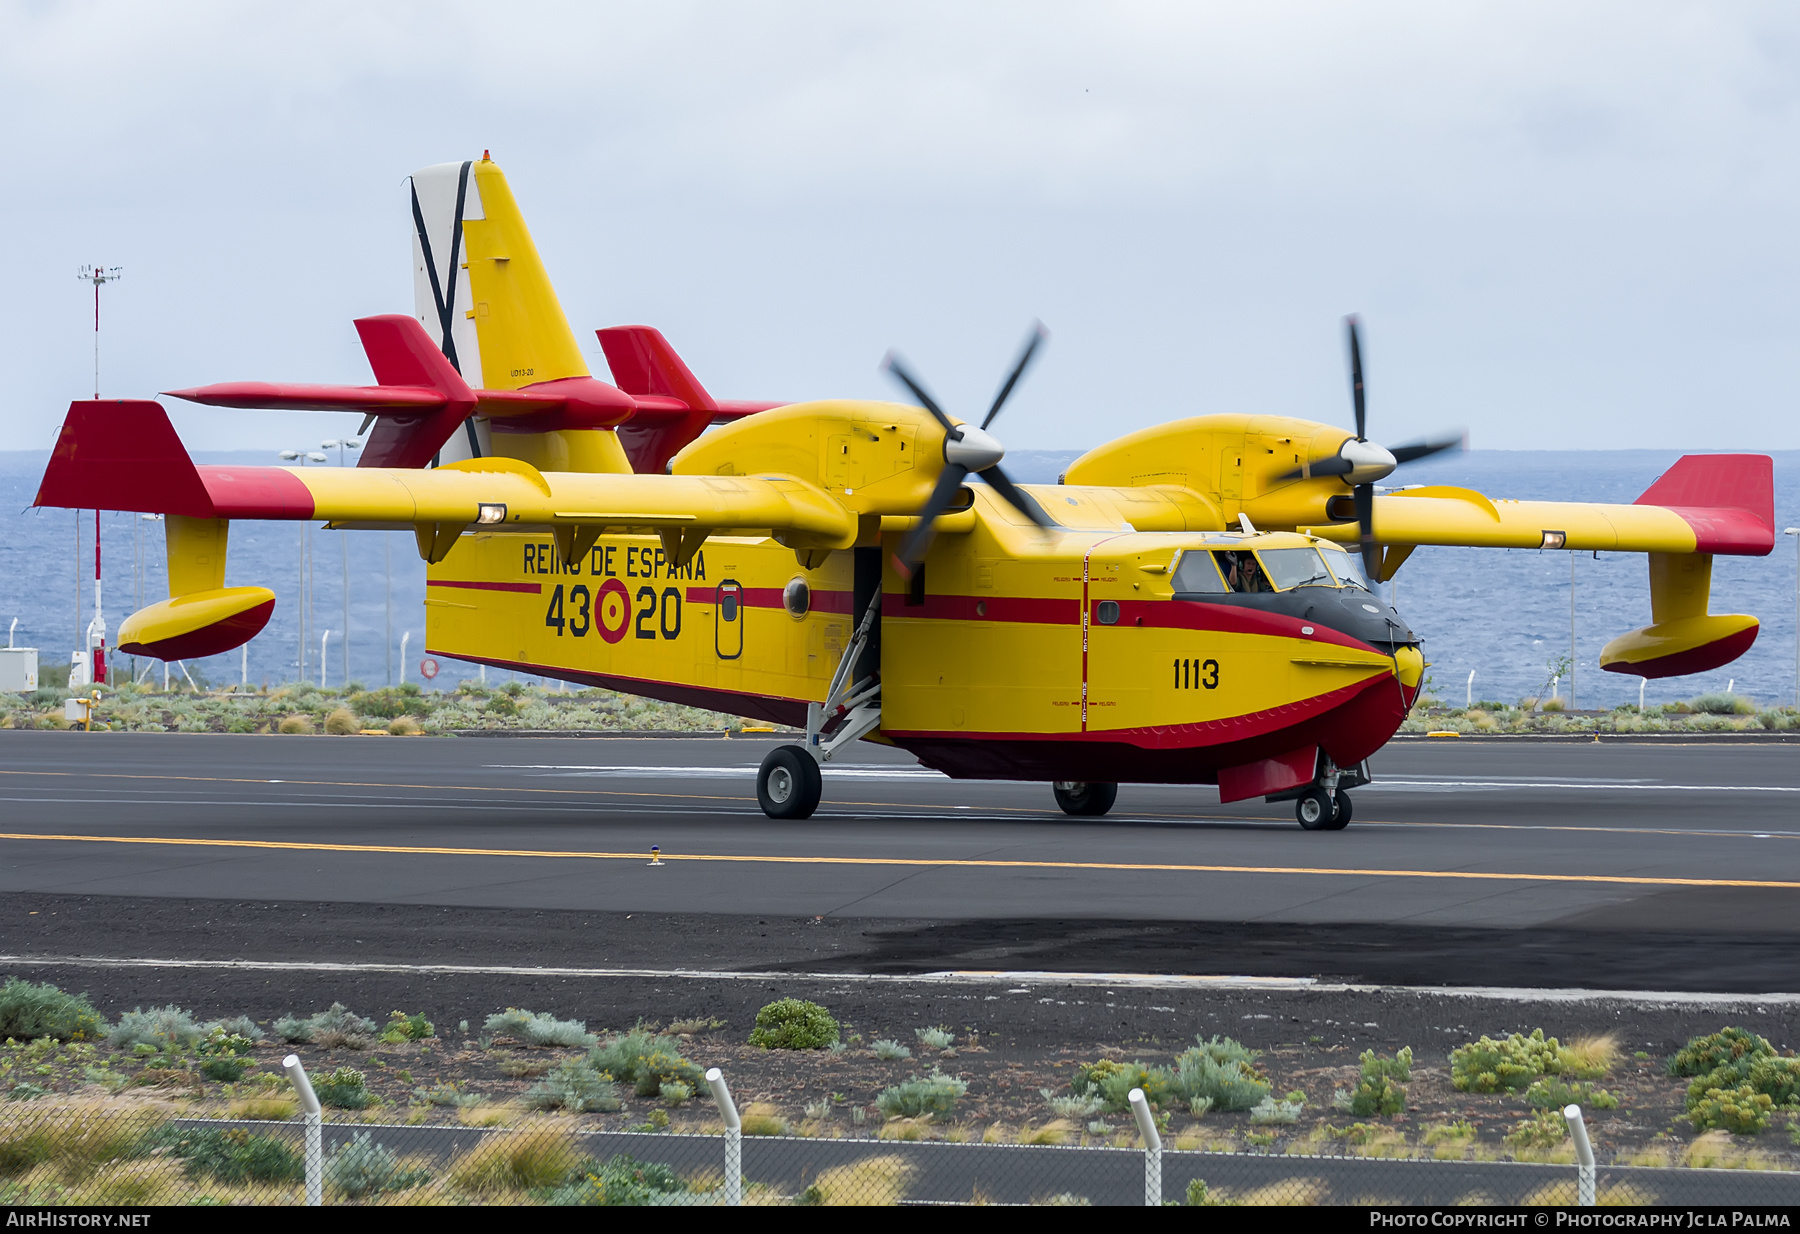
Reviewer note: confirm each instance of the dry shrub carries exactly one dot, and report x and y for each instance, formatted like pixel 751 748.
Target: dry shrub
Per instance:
pixel 1716 1151
pixel 1595 1055
pixel 488 1114
pixel 1284 1192
pixel 1056 1131
pixel 519 1160
pixel 295 724
pixel 761 1118
pixel 873 1181
pixel 267 1109
pixel 404 726
pixel 342 723
pixel 1562 1194
pixel 132 1184
pixel 72 1140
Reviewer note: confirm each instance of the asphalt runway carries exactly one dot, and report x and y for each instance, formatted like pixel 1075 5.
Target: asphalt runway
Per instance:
pixel 1658 865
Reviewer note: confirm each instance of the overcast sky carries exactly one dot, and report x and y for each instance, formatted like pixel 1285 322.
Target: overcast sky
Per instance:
pixel 1565 224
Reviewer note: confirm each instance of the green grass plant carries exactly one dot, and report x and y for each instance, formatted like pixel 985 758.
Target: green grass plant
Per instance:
pixel 575 1086
pixel 1514 1063
pixel 362 1168
pixel 160 1028
pixel 622 1180
pixel 1553 1093
pixel 935 1094
pixel 646 1061
pixel 334 1028
pixel 402 1027
pixel 345 1088
pixel 1741 1110
pixel 227 1155
pixel 537 1029
pixel 794 1024
pixel 29 1011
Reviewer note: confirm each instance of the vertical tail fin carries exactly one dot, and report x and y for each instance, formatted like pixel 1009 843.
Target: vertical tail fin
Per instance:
pixel 480 288
pixel 643 363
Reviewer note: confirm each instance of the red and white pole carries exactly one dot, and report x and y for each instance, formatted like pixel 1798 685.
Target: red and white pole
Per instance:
pixel 97 630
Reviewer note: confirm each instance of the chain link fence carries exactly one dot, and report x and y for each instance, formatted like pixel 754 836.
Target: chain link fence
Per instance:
pixel 93 1154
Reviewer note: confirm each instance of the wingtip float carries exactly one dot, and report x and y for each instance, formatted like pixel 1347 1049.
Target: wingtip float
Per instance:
pixel 1191 605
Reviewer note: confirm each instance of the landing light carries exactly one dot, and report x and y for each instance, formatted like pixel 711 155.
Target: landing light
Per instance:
pixel 1554 539
pixel 490 512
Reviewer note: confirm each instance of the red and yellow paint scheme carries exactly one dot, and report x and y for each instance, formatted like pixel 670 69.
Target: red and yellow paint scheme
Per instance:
pixel 1123 636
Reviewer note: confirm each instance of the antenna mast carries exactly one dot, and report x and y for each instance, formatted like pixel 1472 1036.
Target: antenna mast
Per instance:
pixel 98 275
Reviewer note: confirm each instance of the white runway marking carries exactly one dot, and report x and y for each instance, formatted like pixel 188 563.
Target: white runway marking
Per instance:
pixel 832 771
pixel 1394 784
pixel 1425 784
pixel 1007 977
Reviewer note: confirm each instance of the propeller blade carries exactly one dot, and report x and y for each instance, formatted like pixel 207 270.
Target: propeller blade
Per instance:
pixel 897 368
pixel 1356 379
pixel 1016 497
pixel 1425 449
pixel 918 540
pixel 1038 335
pixel 1333 466
pixel 1365 522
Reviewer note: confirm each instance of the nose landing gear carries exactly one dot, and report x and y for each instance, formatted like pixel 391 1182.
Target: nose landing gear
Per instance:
pixel 1319 811
pixel 1084 800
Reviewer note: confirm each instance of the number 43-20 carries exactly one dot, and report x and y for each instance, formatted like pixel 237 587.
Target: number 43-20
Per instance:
pixel 656 614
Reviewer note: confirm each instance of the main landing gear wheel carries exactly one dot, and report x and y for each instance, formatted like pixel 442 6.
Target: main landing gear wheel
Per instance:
pixel 1316 812
pixel 788 784
pixel 1085 800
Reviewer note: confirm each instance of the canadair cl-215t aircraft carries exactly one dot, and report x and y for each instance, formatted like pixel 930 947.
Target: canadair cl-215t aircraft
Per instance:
pixel 1190 605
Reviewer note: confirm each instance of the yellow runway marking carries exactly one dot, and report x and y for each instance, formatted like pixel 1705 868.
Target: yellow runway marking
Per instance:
pixel 985 863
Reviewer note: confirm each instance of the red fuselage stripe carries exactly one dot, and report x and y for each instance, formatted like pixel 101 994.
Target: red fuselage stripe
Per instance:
pixel 528 588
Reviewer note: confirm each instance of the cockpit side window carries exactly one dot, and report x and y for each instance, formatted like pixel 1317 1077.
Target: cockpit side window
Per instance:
pixel 1195 573
pixel 1242 571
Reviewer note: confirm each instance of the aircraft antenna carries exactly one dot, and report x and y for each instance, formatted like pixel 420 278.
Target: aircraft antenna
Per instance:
pixel 97 275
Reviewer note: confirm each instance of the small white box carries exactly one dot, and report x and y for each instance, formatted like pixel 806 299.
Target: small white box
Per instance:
pixel 75 710
pixel 18 669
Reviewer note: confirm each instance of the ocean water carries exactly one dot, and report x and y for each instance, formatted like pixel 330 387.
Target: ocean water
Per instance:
pixel 1499 613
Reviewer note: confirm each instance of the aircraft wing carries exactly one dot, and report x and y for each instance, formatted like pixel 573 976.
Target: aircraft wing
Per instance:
pixel 125 455
pixel 1706 503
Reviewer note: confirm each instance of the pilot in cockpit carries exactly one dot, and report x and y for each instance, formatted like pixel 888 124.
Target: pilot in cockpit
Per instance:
pixel 1242 573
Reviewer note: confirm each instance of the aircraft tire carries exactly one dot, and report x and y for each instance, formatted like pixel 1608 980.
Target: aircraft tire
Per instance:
pixel 1343 812
pixel 788 784
pixel 1315 811
pixel 1085 800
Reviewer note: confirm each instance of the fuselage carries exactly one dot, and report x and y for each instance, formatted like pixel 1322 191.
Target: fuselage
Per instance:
pixel 1093 651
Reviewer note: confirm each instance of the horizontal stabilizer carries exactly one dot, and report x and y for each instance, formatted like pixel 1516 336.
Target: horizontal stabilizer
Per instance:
pixel 419 402
pixel 1728 499
pixel 673 408
pixel 122 454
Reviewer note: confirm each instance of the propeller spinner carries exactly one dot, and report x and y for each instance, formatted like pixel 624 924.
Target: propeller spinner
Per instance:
pixel 966 449
pixel 1361 462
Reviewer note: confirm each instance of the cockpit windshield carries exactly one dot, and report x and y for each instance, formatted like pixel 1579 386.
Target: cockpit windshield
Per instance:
pixel 1248 572
pixel 1296 567
pixel 1348 568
